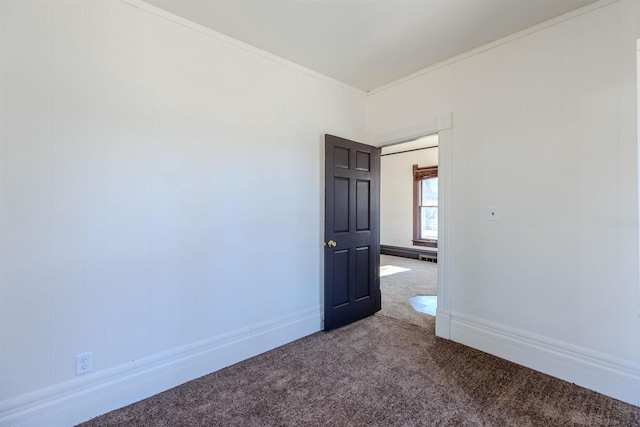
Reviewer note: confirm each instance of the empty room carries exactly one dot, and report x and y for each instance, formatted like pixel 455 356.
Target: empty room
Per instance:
pixel 196 226
pixel 409 230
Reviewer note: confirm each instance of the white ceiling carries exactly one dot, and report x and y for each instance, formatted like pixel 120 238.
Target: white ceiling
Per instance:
pixel 416 144
pixel 366 43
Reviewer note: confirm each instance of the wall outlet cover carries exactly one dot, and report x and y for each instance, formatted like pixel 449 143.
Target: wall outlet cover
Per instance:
pixel 84 363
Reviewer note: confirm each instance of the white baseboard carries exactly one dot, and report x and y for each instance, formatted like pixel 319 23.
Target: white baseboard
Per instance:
pixel 611 376
pixel 443 324
pixel 94 394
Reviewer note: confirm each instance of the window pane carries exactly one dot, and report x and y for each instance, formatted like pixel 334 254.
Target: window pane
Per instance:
pixel 430 192
pixel 429 223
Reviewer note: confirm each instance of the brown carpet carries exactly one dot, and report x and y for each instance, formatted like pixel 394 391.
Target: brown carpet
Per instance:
pixel 376 372
pixel 408 278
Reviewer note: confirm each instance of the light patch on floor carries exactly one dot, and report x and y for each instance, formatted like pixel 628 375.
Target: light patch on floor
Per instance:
pixel 425 304
pixel 388 270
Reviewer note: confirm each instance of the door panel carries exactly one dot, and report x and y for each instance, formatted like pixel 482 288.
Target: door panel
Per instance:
pixel 340 278
pixel 363 161
pixel 352 231
pixel 341 157
pixel 341 207
pixel 362 205
pixel 362 273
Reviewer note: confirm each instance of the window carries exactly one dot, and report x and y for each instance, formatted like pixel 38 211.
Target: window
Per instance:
pixel 425 210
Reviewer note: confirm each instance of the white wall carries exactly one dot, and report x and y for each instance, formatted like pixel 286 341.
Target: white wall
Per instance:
pixel 396 195
pixel 135 149
pixel 544 129
pixel 158 194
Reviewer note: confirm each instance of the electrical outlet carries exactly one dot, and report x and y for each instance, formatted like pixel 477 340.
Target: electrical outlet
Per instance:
pixel 84 363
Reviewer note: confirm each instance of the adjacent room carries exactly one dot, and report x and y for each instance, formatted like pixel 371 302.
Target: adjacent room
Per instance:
pixel 409 230
pixel 207 216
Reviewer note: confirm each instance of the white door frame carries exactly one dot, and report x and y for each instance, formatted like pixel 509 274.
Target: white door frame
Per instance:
pixel 441 125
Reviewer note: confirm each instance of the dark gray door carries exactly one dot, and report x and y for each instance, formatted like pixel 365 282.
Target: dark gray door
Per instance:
pixel 352 231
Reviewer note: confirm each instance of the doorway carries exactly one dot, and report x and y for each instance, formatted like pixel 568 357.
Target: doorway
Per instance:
pixel 337 164
pixel 409 231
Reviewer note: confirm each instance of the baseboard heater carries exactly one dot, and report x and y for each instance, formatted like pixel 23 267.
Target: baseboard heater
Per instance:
pixel 429 258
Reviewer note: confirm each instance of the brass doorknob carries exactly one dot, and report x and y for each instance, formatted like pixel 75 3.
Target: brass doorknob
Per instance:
pixel 332 244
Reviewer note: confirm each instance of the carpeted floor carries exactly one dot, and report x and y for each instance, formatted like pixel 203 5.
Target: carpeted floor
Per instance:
pixel 402 279
pixel 376 372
